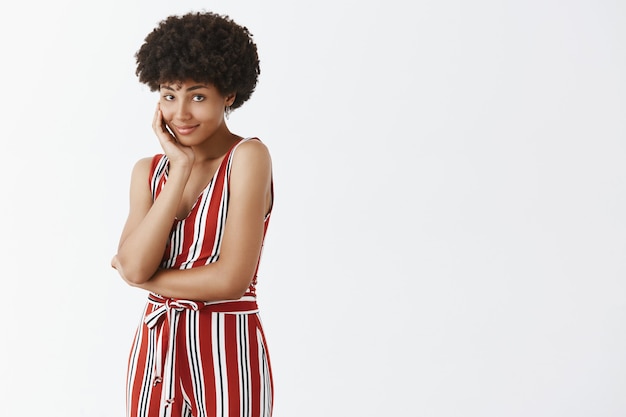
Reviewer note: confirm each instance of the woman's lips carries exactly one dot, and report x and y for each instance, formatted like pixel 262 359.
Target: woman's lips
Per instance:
pixel 185 130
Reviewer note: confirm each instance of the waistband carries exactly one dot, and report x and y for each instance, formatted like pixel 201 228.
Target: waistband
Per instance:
pixel 245 305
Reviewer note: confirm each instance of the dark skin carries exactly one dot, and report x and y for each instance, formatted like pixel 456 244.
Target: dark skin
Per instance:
pixel 194 112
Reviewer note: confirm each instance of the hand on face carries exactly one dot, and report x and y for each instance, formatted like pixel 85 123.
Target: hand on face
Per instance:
pixel 177 154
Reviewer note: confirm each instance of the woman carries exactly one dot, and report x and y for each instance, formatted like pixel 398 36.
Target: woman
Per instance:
pixel 195 229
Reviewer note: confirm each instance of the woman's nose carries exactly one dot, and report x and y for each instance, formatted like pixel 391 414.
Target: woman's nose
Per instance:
pixel 182 111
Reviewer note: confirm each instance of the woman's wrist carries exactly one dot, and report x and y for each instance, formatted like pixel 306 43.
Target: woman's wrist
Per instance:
pixel 179 172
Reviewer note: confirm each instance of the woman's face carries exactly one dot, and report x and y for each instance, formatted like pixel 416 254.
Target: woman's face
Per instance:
pixel 193 111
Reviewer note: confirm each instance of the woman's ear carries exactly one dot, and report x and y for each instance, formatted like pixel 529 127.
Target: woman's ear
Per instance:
pixel 230 99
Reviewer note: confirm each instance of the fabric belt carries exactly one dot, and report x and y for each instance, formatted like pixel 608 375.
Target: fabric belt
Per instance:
pixel 164 370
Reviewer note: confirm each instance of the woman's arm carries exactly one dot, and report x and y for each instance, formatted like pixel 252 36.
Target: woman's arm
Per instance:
pixel 148 225
pixel 229 277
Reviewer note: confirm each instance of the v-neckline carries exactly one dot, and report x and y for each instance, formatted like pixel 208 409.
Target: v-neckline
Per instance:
pixel 208 185
pixel 204 190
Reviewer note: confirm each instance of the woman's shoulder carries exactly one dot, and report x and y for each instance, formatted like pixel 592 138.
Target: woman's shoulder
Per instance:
pixel 251 148
pixel 144 166
pixel 251 160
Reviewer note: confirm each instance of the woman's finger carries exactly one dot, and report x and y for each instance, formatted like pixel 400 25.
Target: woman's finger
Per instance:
pixel 158 125
pixel 156 119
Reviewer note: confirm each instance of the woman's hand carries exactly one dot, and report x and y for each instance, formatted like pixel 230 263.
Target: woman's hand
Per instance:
pixel 149 222
pixel 178 155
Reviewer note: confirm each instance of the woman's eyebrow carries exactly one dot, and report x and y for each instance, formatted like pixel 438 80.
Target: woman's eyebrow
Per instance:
pixel 197 87
pixel 193 87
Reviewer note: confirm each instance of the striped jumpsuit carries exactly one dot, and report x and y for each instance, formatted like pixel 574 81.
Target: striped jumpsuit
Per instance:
pixel 193 358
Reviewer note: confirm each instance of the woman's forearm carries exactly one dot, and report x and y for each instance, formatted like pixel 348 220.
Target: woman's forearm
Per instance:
pixel 140 253
pixel 205 283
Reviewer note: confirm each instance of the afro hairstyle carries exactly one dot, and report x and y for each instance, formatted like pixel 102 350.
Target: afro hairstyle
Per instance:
pixel 204 47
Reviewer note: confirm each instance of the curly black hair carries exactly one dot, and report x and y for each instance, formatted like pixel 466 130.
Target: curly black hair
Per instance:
pixel 204 47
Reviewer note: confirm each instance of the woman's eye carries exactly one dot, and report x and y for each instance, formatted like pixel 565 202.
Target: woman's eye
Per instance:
pixel 198 98
pixel 168 97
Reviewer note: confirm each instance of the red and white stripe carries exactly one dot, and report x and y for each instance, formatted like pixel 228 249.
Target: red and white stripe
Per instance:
pixel 192 358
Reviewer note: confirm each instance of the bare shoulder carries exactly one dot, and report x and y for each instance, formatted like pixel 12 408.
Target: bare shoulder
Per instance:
pixel 143 164
pixel 142 168
pixel 252 155
pixel 252 149
pixel 140 177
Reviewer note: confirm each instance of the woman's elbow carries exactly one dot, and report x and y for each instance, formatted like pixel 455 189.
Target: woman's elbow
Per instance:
pixel 232 294
pixel 136 278
pixel 237 288
pixel 131 272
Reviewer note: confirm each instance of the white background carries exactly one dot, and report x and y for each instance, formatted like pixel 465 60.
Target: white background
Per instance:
pixel 448 238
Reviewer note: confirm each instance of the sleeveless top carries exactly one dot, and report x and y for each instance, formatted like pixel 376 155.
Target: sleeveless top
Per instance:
pixel 196 239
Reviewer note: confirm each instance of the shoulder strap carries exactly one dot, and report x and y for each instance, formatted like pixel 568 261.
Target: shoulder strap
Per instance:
pixel 157 171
